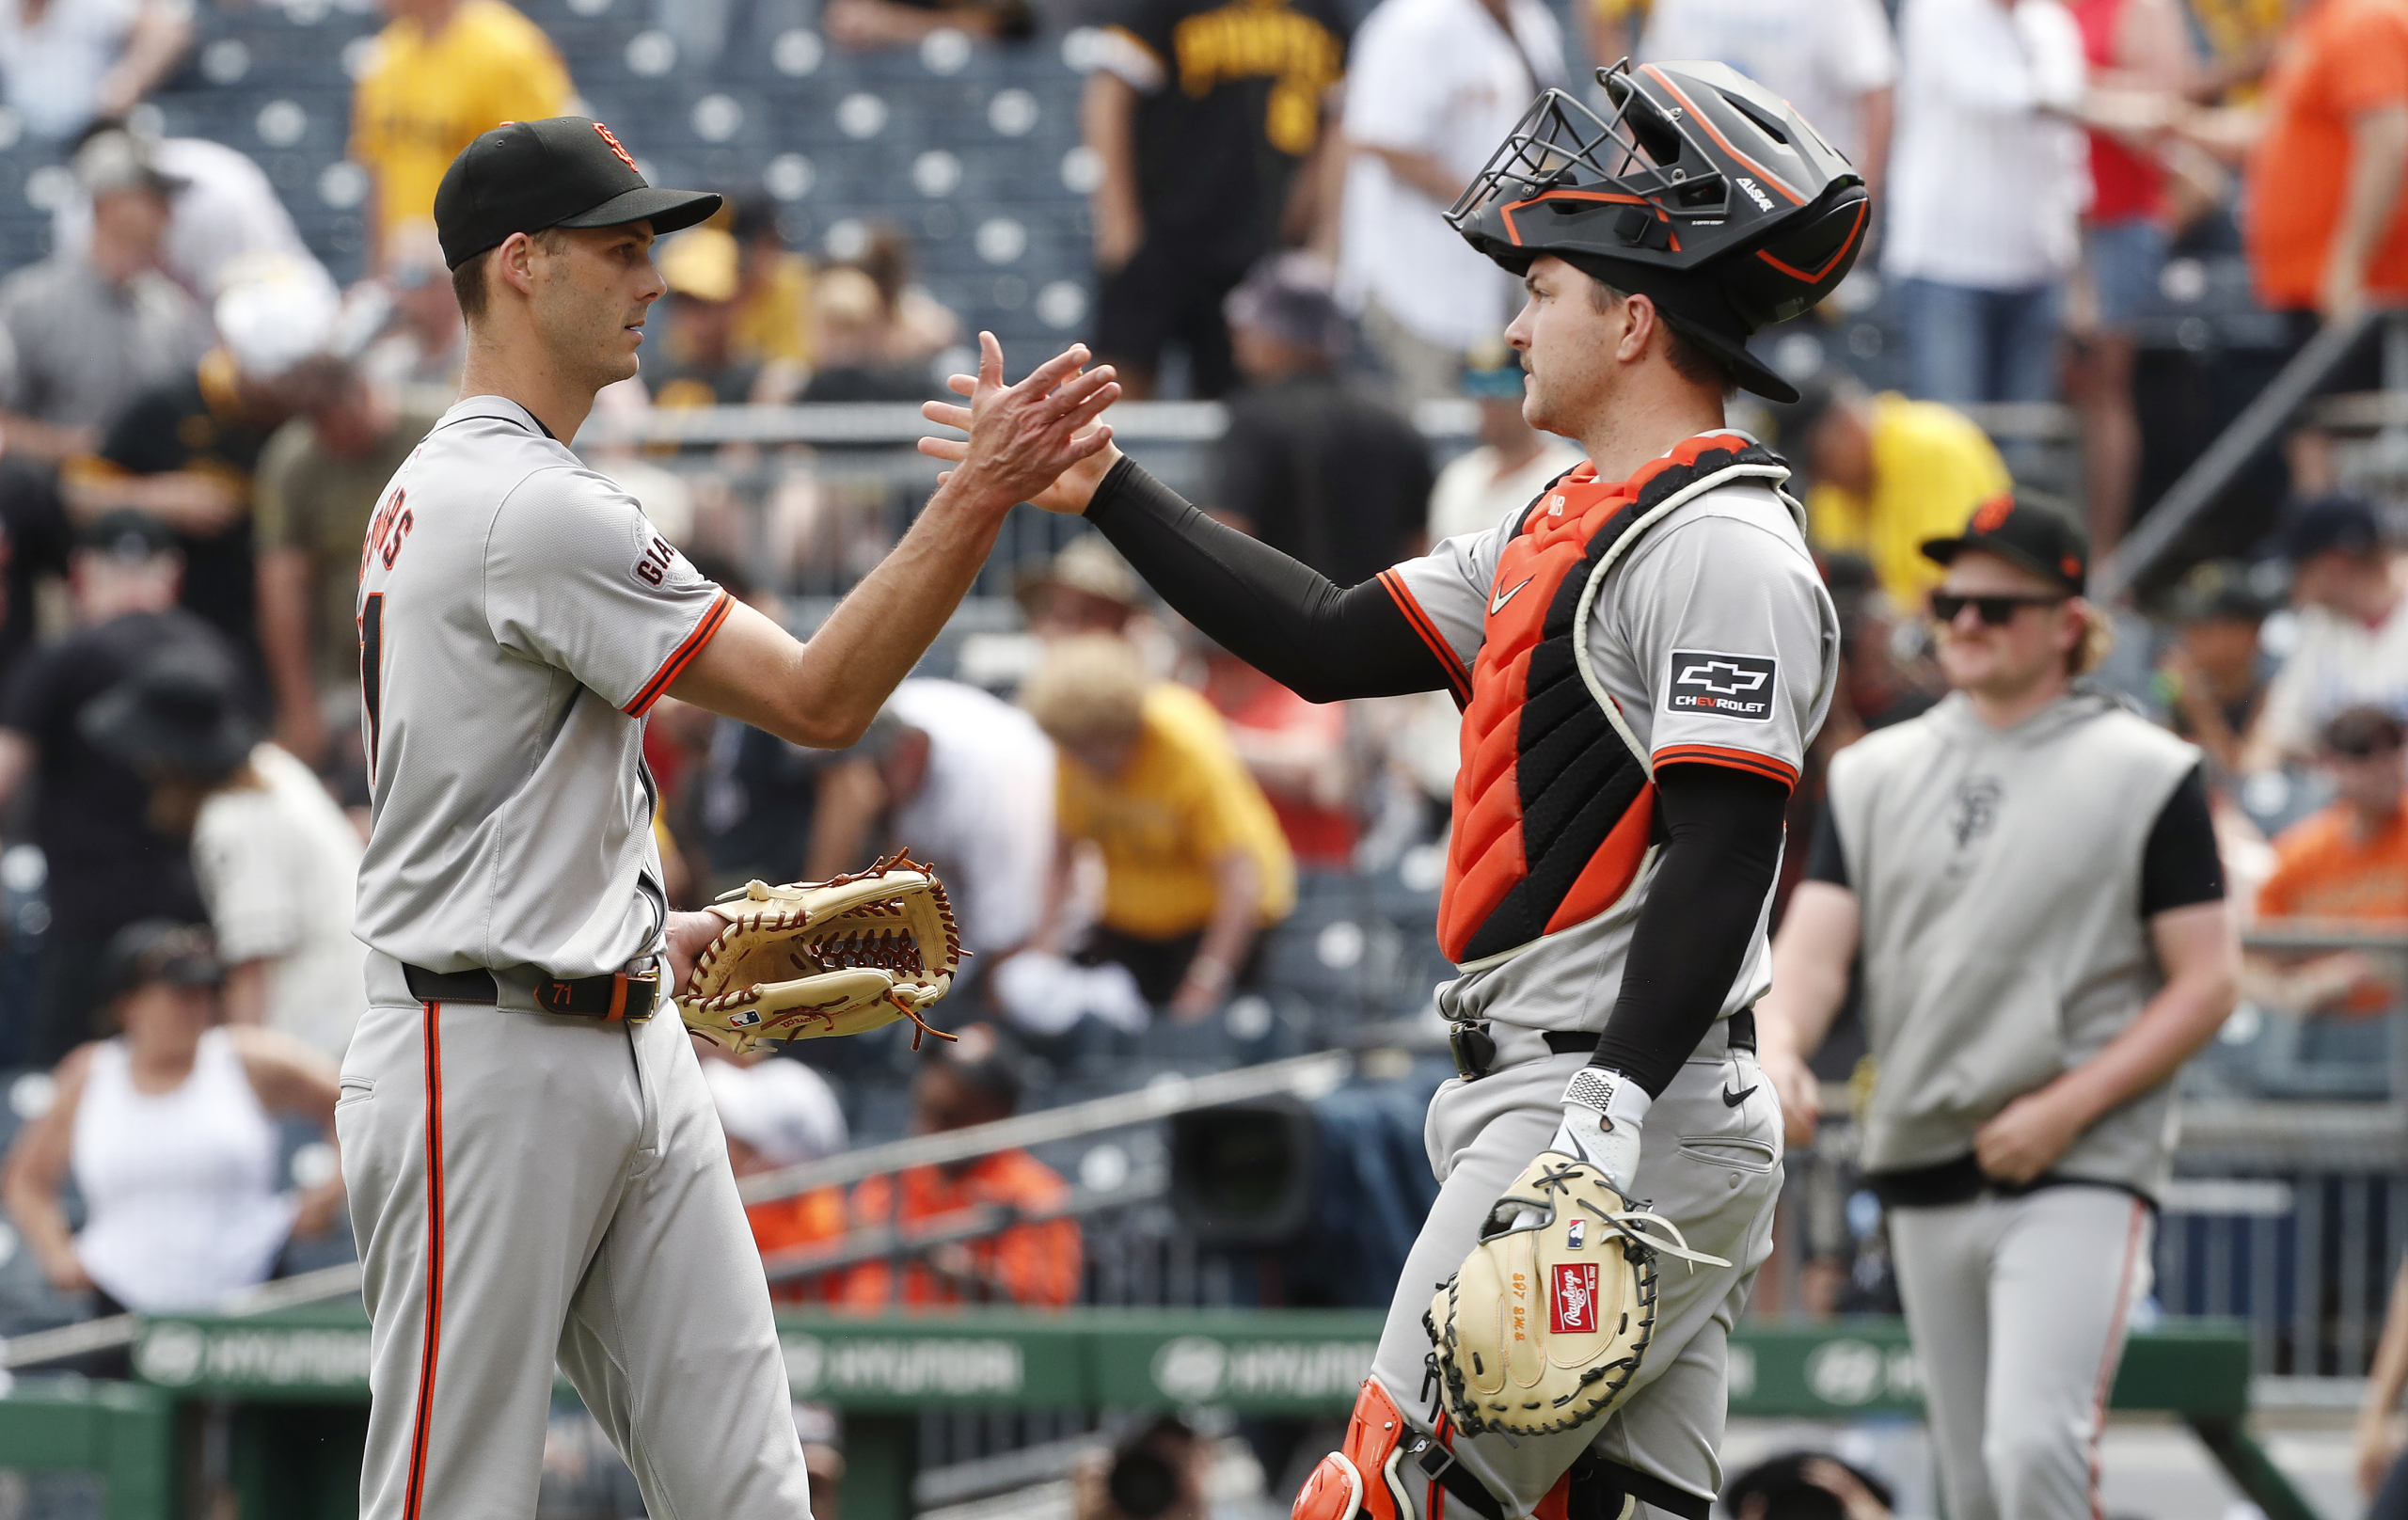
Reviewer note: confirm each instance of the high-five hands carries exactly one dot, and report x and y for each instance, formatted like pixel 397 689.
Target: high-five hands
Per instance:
pixel 1028 442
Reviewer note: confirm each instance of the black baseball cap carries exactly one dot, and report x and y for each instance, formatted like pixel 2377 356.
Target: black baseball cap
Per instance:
pixel 125 534
pixel 2041 540
pixel 159 950
pixel 562 172
pixel 2331 525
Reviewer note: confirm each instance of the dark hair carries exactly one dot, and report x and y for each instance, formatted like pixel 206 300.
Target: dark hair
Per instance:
pixel 887 262
pixel 2361 732
pixel 468 280
pixel 1690 362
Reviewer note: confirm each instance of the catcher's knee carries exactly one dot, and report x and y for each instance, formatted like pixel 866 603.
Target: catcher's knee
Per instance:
pixel 1360 1480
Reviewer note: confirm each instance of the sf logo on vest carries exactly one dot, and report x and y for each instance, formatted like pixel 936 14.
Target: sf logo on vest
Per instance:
pixel 1722 685
pixel 1574 1298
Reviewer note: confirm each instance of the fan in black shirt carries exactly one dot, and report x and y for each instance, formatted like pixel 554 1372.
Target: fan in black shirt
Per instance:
pixel 108 868
pixel 1202 117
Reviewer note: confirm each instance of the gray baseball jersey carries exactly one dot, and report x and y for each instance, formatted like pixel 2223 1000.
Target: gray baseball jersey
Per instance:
pixel 531 1189
pixel 1720 592
pixel 518 615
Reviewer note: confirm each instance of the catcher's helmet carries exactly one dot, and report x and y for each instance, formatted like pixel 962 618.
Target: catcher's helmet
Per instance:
pixel 1703 190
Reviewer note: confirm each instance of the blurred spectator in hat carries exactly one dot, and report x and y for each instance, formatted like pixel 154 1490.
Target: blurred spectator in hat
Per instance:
pixel 2136 45
pixel 442 71
pixel 1085 587
pixel 779 1113
pixel 186 450
pixel 867 23
pixel 90 330
pixel 424 342
pixel 1834 60
pixel 1512 462
pixel 1194 866
pixel 2347 863
pixel 67 63
pixel 974 1080
pixel 1309 463
pixel 773 285
pixel 1159 1471
pixel 2348 584
pixel 108 866
pixel 168 1126
pixel 2324 147
pixel 854 341
pixel 1207 127
pixel 698 365
pixel 1887 474
pixel 1986 187
pixel 222 206
pixel 2215 674
pixel 1434 87
pixel 318 482
pixel 278 858
pixel 1806 1485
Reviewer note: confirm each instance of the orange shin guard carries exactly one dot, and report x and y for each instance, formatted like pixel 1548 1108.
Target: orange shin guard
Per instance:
pixel 1360 1481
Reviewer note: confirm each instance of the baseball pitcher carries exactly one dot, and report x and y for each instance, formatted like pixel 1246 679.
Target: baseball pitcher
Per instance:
pixel 537 1172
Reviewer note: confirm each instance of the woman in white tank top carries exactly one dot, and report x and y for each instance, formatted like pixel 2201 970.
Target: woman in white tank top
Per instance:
pixel 166 1127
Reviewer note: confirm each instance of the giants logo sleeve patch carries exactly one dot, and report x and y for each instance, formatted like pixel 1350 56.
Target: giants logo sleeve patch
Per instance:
pixel 1721 686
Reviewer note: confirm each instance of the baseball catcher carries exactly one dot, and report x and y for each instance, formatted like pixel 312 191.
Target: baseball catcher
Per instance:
pixel 815 959
pixel 1641 655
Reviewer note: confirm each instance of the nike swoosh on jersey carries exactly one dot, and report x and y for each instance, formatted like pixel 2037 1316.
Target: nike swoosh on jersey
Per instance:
pixel 1733 1099
pixel 1496 603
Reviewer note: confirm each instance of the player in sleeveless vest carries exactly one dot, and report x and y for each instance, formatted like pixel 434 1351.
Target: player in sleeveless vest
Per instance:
pixel 2029 878
pixel 1641 655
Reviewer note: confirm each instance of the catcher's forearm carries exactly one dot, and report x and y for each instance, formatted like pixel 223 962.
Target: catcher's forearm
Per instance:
pixel 1282 617
pixel 2390 1371
pixel 1701 914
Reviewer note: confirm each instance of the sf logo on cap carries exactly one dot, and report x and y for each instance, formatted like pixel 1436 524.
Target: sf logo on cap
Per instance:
pixel 616 146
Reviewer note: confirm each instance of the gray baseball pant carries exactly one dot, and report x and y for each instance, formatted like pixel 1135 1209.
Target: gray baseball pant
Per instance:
pixel 1711 1166
pixel 529 1188
pixel 2018 1308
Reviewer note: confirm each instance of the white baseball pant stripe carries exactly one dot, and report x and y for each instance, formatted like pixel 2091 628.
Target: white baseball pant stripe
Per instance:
pixel 531 1190
pixel 2018 1308
pixel 1711 1166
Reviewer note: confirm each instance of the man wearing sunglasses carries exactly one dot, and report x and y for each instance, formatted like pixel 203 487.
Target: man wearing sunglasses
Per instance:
pixel 2029 876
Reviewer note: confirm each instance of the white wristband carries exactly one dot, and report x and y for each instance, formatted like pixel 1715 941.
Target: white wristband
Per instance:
pixel 1623 1102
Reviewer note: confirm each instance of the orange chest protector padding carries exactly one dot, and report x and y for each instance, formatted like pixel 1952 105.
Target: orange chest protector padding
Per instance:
pixel 1554 811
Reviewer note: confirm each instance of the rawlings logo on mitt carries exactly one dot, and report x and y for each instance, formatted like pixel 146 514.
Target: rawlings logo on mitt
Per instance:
pixel 815 959
pixel 1545 1324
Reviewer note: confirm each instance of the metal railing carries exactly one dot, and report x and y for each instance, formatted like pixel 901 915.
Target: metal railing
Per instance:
pixel 2198 486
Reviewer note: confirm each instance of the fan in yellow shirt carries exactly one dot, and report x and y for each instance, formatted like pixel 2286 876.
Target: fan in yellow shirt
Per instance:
pixel 1889 473
pixel 1194 861
pixel 445 71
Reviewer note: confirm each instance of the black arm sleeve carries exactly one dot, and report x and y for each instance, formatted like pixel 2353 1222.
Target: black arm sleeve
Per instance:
pixel 1725 828
pixel 1283 618
pixel 1825 859
pixel 2179 867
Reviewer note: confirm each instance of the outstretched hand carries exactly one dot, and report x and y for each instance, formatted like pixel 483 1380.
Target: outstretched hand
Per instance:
pixel 1028 442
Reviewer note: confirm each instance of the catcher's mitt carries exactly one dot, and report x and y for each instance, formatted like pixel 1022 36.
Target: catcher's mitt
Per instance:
pixel 1544 1325
pixel 825 958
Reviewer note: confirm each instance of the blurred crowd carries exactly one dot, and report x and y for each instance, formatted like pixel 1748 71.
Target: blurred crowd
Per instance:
pixel 198 421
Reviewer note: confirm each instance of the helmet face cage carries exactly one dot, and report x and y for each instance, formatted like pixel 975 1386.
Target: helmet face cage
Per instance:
pixel 1641 152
